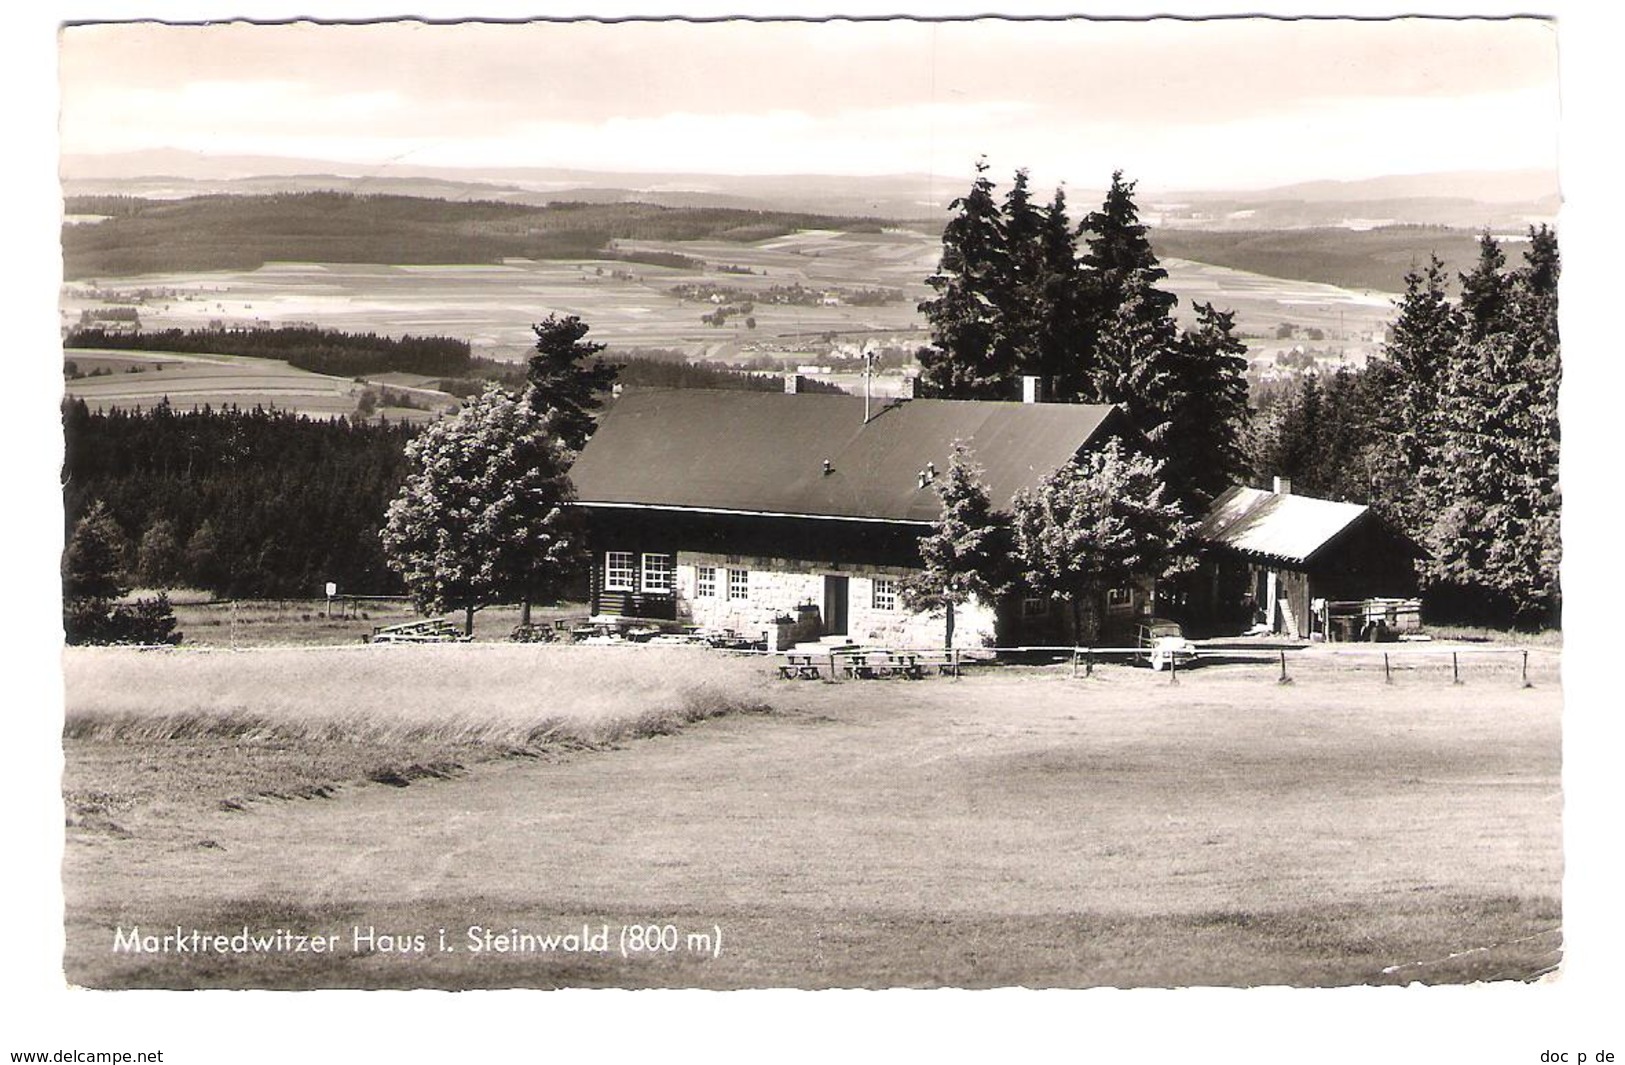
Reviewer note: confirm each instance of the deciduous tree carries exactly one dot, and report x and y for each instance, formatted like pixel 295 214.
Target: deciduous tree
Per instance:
pixel 484 514
pixel 1103 521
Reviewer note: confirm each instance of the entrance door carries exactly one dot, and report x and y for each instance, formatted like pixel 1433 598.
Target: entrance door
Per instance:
pixel 835 599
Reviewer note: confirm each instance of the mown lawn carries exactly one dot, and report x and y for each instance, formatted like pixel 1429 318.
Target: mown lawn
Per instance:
pixel 1015 827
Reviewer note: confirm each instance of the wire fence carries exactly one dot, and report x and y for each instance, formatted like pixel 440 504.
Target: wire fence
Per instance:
pixel 1396 665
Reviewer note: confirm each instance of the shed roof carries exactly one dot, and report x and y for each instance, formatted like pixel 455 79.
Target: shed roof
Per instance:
pixel 764 452
pixel 1282 526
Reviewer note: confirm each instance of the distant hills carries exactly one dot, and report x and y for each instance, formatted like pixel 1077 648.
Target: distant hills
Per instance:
pixel 1505 202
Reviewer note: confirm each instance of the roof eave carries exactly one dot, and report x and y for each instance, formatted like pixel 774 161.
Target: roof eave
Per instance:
pixel 735 512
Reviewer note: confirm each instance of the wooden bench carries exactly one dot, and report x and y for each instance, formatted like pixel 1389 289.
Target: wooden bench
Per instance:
pixel 799 667
pixel 906 664
pixel 436 630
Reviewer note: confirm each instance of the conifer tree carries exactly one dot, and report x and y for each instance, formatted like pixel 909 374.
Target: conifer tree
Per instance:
pixel 967 554
pixel 1425 334
pixel 1495 539
pixel 968 356
pixel 564 386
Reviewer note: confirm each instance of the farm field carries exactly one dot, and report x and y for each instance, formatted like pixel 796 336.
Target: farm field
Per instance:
pixel 629 305
pixel 1017 826
pixel 141 380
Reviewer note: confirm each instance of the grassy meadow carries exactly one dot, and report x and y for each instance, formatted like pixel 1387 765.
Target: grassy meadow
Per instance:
pixel 1016 826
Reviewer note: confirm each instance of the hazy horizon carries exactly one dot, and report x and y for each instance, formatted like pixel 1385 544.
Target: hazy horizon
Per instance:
pixel 1240 104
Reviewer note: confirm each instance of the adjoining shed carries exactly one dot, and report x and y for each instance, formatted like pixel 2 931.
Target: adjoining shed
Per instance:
pixel 798 515
pixel 1287 561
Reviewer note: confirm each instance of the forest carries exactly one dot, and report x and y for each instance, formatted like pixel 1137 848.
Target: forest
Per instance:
pixel 325 351
pixel 245 232
pixel 249 504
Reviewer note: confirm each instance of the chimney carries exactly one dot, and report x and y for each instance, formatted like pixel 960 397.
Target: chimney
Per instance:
pixel 1283 486
pixel 909 389
pixel 793 383
pixel 1032 389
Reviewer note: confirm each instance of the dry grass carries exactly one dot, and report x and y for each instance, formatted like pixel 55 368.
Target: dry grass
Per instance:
pixel 1016 826
pixel 499 695
pixel 156 736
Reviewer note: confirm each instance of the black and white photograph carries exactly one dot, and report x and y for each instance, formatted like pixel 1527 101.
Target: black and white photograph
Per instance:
pixel 1004 504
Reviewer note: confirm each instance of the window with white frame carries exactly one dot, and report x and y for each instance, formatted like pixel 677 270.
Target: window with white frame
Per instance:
pixel 620 570
pixel 705 582
pixel 1120 597
pixel 739 584
pixel 658 573
pixel 884 596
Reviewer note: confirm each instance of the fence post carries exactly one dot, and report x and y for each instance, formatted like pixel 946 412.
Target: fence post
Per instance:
pixel 1387 671
pixel 1088 661
pixel 1455 668
pixel 1284 678
pixel 1074 661
pixel 1173 668
pixel 1526 683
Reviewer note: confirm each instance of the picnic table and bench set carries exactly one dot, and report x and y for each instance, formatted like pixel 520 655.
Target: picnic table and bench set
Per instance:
pixel 853 663
pixel 868 664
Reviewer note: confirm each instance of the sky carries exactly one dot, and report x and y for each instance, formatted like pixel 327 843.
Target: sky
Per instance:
pixel 1234 103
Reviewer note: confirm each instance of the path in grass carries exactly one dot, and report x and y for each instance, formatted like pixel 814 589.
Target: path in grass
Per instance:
pixel 1015 828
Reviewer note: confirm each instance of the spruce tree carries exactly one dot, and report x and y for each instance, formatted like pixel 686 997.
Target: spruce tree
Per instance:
pixel 968 356
pixel 1209 415
pixel 1062 355
pixel 564 385
pixel 1495 539
pixel 967 553
pixel 1425 334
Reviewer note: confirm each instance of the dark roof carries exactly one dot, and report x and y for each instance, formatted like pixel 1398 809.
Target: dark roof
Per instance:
pixel 764 452
pixel 1281 526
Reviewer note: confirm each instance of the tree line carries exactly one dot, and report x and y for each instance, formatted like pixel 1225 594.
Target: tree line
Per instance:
pixel 1022 291
pixel 1452 435
pixel 324 351
pixel 251 504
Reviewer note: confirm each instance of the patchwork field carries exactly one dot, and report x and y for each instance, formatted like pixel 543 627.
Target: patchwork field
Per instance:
pixel 137 380
pixel 681 818
pixel 631 304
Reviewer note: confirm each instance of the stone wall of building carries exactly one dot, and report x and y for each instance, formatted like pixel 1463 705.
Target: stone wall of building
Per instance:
pixel 782 587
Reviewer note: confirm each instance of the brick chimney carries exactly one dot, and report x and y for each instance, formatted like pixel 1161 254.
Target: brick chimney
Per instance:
pixel 910 388
pixel 794 383
pixel 1283 486
pixel 1032 389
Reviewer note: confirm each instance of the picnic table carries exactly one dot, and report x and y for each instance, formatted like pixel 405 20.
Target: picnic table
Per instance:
pixel 435 630
pixel 798 666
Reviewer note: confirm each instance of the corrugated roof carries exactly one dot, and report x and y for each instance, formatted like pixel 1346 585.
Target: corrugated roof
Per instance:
pixel 1281 526
pixel 765 451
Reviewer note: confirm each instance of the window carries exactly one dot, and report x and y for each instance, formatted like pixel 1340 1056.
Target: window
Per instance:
pixel 739 584
pixel 885 594
pixel 1034 606
pixel 658 571
pixel 620 569
pixel 1120 597
pixel 705 582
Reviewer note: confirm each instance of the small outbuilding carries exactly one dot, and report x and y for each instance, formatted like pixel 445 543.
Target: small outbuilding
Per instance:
pixel 1303 567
